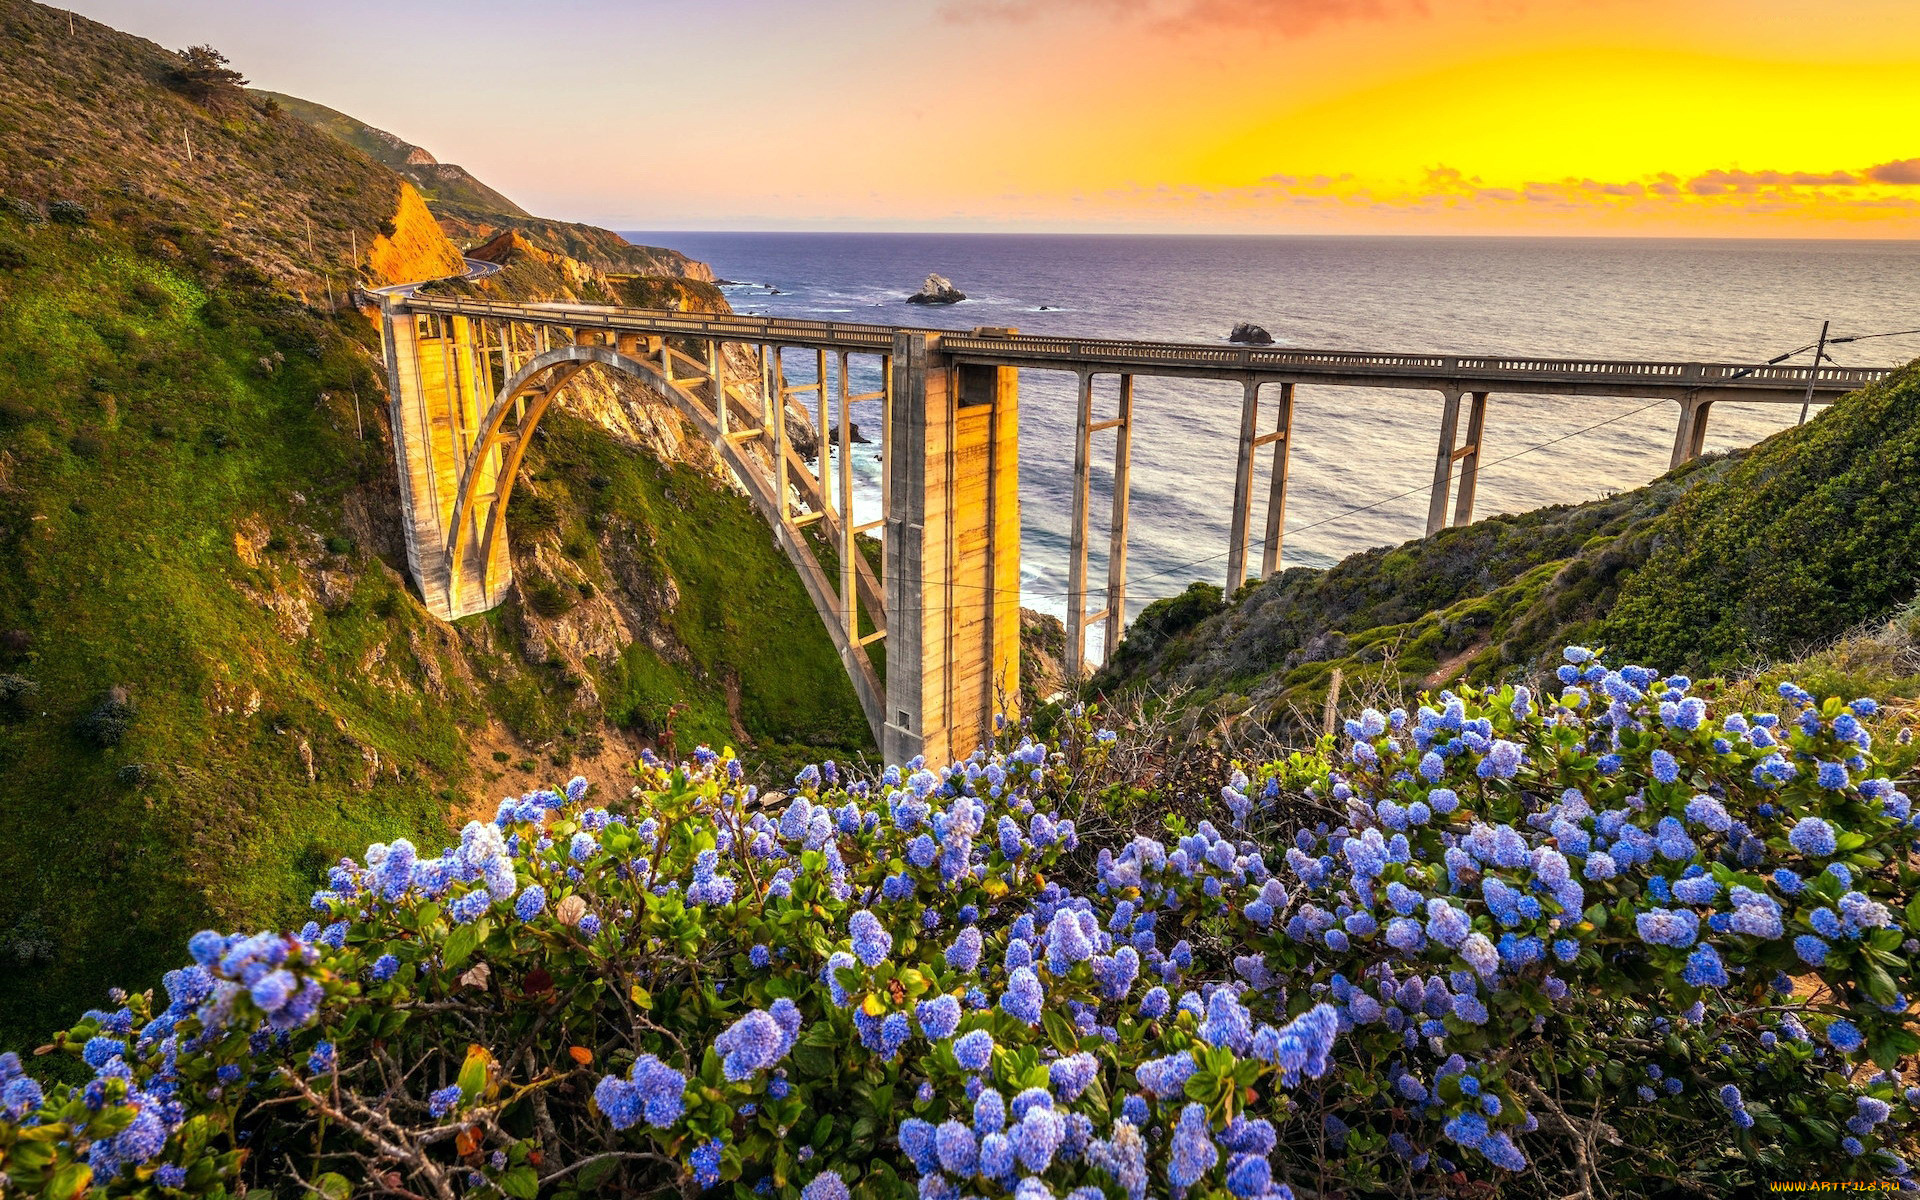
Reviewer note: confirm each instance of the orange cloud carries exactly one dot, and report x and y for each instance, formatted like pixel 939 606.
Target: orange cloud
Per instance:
pixel 1287 17
pixel 1907 170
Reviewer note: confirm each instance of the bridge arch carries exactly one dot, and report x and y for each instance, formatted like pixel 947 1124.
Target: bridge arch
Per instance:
pixel 470 380
pixel 477 554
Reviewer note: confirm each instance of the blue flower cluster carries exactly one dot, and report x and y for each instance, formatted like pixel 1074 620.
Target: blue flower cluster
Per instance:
pixel 1610 871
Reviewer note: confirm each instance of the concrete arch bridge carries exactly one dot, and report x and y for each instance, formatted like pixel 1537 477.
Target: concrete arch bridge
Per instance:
pixel 470 380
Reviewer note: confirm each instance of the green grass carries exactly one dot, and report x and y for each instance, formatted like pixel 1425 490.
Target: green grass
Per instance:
pixel 1722 566
pixel 139 439
pixel 148 430
pixel 748 627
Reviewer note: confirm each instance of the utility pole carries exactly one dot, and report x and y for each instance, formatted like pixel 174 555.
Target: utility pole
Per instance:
pixel 1819 352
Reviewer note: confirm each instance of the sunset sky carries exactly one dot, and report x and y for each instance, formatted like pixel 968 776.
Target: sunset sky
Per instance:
pixel 1746 118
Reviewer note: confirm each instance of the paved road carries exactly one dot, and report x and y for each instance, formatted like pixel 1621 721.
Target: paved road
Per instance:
pixel 476 269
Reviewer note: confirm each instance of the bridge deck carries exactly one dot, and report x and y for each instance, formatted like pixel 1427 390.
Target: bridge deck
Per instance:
pixel 1466 373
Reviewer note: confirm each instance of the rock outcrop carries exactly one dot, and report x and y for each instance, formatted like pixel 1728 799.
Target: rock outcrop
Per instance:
pixel 1249 334
pixel 937 289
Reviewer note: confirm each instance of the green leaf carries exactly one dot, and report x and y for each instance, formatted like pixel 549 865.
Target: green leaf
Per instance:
pixel 1880 986
pixel 473 1072
pixel 593 1176
pixel 29 1155
pixel 68 1182
pixel 522 1183
pixel 462 942
pixel 333 1186
pixel 1061 1033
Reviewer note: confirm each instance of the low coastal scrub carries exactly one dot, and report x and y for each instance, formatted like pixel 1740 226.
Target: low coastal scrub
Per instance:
pixel 1599 942
pixel 1725 564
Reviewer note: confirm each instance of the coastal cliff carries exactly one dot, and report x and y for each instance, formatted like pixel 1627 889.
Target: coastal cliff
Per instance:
pixel 234 683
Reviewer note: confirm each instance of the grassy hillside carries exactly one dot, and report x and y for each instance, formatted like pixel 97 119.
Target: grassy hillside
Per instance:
pixel 441 183
pixel 473 213
pixel 1725 564
pixel 214 677
pixel 102 124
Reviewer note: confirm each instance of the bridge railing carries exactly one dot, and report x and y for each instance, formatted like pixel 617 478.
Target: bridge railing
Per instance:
pixel 731 328
pixel 1087 353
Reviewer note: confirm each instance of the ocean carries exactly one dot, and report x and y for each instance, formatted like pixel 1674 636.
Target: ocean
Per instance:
pixel 1362 458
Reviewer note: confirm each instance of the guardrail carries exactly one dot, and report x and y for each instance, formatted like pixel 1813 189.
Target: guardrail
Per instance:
pixel 1117 352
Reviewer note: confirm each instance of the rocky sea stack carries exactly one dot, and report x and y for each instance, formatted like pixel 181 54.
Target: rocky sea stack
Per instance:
pixel 937 289
pixel 1247 333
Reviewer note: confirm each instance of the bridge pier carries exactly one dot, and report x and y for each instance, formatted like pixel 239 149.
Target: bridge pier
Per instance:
pixel 1114 615
pixel 1691 436
pixel 1073 660
pixel 1467 455
pixel 434 409
pixel 1247 449
pixel 952 551
pixel 1282 438
pixel 1117 523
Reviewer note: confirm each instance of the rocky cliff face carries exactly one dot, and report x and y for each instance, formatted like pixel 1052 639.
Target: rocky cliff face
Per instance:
pixel 601 249
pixel 416 248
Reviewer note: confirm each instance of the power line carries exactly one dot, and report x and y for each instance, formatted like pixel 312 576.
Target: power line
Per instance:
pixel 1866 337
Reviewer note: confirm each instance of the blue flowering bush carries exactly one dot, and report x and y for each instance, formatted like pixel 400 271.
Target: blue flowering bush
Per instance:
pixel 1503 944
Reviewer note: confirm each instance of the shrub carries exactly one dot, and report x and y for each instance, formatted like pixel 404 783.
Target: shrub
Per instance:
pixel 1164 620
pixel 1551 928
pixel 203 74
pixel 546 597
pixel 67 212
pixel 17 694
pixel 107 723
pixel 23 210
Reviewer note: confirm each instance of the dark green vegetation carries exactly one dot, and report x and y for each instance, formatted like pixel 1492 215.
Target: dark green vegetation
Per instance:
pixel 179 481
pixel 733 646
pixel 1725 564
pixel 206 635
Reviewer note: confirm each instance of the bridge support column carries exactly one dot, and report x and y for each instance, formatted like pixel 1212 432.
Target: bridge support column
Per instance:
pixel 1243 485
pixel 1073 662
pixel 1443 464
pixel 1282 439
pixel 1117 533
pixel 434 411
pixel 1469 456
pixel 952 549
pixel 1691 437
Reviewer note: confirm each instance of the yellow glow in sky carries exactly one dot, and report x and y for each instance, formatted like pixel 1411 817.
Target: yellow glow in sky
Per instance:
pixel 1745 118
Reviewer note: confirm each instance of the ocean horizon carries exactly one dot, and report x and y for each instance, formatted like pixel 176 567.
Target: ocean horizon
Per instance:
pixel 1362 459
